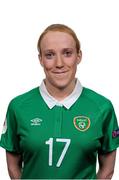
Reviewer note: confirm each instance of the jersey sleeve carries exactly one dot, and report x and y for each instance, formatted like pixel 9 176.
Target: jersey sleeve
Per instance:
pixel 110 139
pixel 9 138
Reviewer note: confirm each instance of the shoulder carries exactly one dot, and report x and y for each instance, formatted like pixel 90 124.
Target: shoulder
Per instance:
pixel 97 99
pixel 24 98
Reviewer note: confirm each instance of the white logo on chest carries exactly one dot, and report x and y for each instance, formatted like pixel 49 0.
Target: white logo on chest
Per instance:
pixel 36 122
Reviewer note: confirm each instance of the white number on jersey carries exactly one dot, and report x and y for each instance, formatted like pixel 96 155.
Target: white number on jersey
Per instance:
pixel 50 143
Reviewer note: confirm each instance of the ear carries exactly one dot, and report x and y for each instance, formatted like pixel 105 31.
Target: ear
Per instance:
pixel 40 59
pixel 79 57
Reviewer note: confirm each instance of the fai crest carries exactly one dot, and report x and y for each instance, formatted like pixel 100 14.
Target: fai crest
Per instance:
pixel 82 123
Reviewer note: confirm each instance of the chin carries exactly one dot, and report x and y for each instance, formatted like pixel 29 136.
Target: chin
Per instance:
pixel 61 85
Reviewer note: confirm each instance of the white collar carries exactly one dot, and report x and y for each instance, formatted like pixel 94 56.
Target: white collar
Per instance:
pixel 67 102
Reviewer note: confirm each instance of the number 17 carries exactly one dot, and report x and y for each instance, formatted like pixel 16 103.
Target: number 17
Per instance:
pixel 50 143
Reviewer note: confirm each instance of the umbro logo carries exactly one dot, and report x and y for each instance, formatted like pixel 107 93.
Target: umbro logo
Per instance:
pixel 36 122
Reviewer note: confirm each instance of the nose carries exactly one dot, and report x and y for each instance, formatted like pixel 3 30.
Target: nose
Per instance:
pixel 59 61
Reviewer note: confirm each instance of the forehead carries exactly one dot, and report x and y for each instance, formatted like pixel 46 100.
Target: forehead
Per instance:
pixel 55 39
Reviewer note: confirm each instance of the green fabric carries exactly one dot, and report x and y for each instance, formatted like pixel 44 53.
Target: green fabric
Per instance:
pixel 60 143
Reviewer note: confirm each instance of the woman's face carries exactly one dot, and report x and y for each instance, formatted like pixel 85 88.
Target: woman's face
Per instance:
pixel 59 58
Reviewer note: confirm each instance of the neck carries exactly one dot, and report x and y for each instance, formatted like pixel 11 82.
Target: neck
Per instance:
pixel 60 93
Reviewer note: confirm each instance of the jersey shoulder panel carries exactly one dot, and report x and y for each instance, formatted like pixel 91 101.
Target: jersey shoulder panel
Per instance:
pixel 24 98
pixel 97 99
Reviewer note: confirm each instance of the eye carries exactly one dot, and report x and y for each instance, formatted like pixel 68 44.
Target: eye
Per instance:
pixel 67 53
pixel 49 55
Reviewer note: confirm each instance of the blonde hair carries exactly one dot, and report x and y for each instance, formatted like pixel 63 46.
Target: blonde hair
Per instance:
pixel 60 28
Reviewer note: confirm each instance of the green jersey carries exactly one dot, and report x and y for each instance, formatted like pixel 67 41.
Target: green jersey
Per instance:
pixel 60 143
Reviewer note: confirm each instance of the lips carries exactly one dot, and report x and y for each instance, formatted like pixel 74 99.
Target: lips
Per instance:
pixel 59 72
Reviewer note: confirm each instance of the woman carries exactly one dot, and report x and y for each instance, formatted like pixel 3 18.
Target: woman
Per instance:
pixel 58 130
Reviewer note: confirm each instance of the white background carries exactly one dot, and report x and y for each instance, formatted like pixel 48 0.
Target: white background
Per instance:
pixel 22 21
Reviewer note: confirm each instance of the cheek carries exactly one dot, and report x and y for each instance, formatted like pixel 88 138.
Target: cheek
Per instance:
pixel 71 63
pixel 48 64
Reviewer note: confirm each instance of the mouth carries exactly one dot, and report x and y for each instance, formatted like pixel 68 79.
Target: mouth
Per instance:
pixel 60 72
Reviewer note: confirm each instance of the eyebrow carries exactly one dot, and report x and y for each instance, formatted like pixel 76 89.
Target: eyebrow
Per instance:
pixel 65 49
pixel 51 50
pixel 48 50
